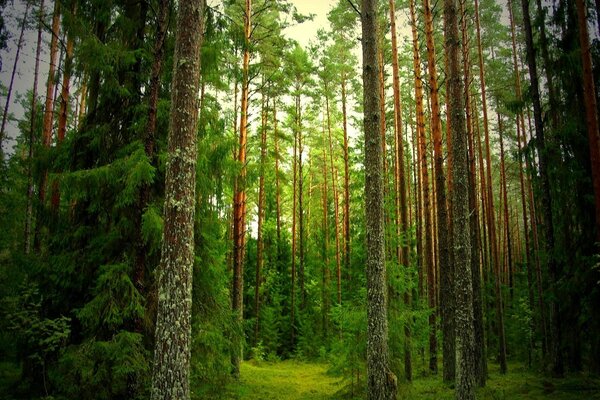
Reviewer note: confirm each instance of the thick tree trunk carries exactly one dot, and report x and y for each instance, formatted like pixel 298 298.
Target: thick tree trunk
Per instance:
pixel 29 209
pixel 239 204
pixel 381 380
pixel 12 79
pixel 556 360
pixel 171 370
pixel 466 368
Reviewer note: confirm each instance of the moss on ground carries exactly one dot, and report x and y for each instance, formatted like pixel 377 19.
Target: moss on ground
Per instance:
pixel 290 379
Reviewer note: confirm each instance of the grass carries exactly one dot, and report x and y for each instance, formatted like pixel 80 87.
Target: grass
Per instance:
pixel 289 380
pixel 285 380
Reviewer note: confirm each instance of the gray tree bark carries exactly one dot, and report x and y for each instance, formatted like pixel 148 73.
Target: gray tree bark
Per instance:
pixel 171 371
pixel 381 380
pixel 463 289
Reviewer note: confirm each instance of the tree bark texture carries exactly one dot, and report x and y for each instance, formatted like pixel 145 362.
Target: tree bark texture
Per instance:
pixel 172 352
pixel 381 380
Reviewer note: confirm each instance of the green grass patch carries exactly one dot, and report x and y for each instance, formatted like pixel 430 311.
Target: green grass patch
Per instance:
pixel 288 380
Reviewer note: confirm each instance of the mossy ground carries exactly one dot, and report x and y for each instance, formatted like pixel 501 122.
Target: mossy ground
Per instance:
pixel 291 379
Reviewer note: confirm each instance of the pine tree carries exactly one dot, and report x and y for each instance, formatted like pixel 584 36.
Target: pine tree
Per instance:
pixel 170 378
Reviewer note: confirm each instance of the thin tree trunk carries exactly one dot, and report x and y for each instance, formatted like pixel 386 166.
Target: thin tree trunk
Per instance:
pixel 172 354
pixel 239 204
pixel 261 216
pixel 591 115
pixel 400 187
pixel 12 79
pixel 555 328
pixel 325 227
pixel 346 181
pixel 301 246
pixel 336 206
pixel 445 263
pixel 381 380
pixel 478 328
pixel 509 260
pixel 426 208
pixel 29 210
pixel 64 107
pixel 149 142
pixel 490 203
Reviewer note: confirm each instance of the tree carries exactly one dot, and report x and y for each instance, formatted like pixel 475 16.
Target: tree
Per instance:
pixel 381 380
pixel 170 377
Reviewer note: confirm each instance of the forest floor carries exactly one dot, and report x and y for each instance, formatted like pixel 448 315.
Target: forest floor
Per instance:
pixel 291 379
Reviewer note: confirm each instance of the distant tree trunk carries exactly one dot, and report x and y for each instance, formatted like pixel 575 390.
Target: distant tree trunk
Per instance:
pixel 446 268
pixel 325 227
pixel 171 370
pixel 591 115
pixel 466 368
pixel 420 125
pixel 505 201
pixel 301 247
pixel 149 142
pixel 478 328
pixel 277 189
pixel 381 380
pixel 12 79
pixel 490 206
pixel 29 209
pixel 294 212
pixel 555 328
pixel 261 216
pixel 64 107
pixel 429 257
pixel 346 181
pixel 336 205
pixel 400 187
pixel 239 204
pixel 520 132
pixel 426 207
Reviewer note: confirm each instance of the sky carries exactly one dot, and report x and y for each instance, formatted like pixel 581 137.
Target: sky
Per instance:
pixel 13 15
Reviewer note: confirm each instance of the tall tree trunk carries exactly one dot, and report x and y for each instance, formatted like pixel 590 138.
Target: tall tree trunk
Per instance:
pixel 490 206
pixel 29 209
pixel 555 328
pixel 149 142
pixel 521 131
pixel 336 205
pixel 12 79
pixel 478 328
pixel 239 204
pixel 591 115
pixel 64 106
pixel 426 208
pixel 466 368
pixel 381 380
pixel 172 352
pixel 294 212
pixel 346 180
pixel 325 227
pixel 445 263
pixel 400 187
pixel 301 244
pixel 509 260
pixel 261 216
